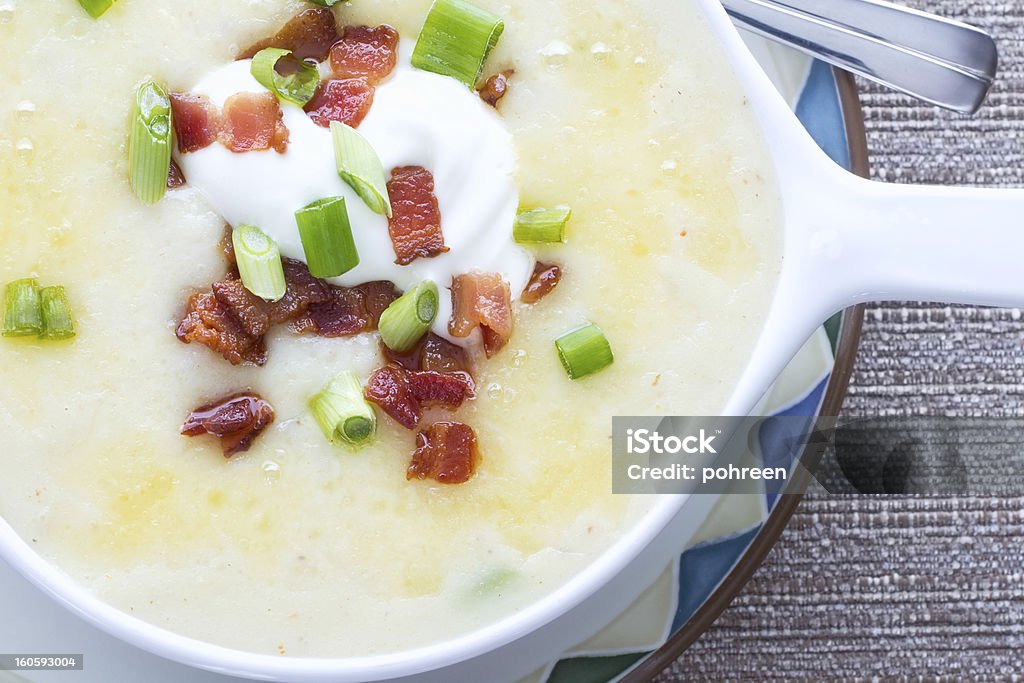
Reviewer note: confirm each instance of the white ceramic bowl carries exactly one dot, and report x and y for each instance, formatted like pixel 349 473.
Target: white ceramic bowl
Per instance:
pixel 847 240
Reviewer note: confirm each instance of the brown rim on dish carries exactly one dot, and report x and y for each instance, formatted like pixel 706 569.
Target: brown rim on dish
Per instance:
pixel 846 354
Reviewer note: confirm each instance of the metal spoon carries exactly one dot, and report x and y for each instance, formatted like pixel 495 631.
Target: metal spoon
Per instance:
pixel 943 62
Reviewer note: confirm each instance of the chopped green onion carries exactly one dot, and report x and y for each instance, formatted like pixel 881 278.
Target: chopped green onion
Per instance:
pixel 57 322
pixel 342 412
pixel 584 351
pixel 96 8
pixel 259 262
pixel 327 237
pixel 298 87
pixel 325 3
pixel 456 39
pixel 23 315
pixel 408 318
pixel 149 144
pixel 360 167
pixel 541 225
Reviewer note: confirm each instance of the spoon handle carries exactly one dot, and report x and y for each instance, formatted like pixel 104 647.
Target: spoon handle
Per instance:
pixel 944 62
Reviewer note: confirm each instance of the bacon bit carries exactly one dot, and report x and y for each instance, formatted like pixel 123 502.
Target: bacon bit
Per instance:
pixel 253 122
pixel 448 389
pixel 246 307
pixel 347 101
pixel 544 279
pixel 431 354
pixel 309 35
pixel 403 394
pixel 175 178
pixel 236 420
pixel 197 122
pixel 415 225
pixel 348 311
pixel 446 452
pixel 208 322
pixel 303 291
pixel 367 53
pixel 377 296
pixel 495 87
pixel 482 300
pixel 389 388
pixel 256 315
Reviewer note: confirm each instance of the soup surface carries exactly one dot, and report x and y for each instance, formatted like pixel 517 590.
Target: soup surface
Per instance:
pixel 622 109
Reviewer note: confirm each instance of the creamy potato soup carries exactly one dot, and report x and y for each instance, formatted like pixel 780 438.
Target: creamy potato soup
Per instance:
pixel 622 111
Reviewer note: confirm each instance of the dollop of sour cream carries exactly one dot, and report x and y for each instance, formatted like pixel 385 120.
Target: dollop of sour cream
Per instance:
pixel 417 119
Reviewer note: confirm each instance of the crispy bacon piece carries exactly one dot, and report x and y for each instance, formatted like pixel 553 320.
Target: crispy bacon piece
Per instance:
pixel 309 35
pixel 347 101
pixel 303 291
pixel 210 323
pixel 447 389
pixel 431 354
pixel 403 394
pixel 365 52
pixel 253 122
pixel 197 122
pixel 250 310
pixel 495 87
pixel 175 178
pixel 545 278
pixel 348 310
pixel 482 300
pixel 256 315
pixel 415 225
pixel 446 452
pixel 390 389
pixel 236 420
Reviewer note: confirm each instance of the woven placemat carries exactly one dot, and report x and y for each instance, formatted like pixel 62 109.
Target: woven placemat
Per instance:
pixel 906 587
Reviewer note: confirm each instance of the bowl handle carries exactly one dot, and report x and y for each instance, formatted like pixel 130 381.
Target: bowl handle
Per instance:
pixel 851 240
pixel 871 241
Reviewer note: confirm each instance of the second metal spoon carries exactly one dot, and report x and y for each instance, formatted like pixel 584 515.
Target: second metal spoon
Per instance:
pixel 938 60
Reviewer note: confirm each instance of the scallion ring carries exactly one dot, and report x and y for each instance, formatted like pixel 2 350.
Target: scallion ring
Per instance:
pixel 456 39
pixel 57 321
pixel 342 412
pixel 360 167
pixel 408 318
pixel 298 87
pixel 23 315
pixel 584 351
pixel 541 225
pixel 96 8
pixel 149 143
pixel 259 263
pixel 327 237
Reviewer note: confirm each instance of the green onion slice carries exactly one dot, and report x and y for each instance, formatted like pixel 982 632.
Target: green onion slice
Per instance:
pixel 23 315
pixel 360 167
pixel 456 39
pixel 327 237
pixel 541 225
pixel 57 322
pixel 259 262
pixel 584 351
pixel 149 143
pixel 408 318
pixel 342 413
pixel 325 3
pixel 96 8
pixel 297 87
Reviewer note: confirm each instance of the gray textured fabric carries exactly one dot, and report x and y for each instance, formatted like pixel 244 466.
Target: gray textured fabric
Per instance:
pixel 906 587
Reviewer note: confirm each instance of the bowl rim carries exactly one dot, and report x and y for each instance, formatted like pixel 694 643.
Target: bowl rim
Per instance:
pixel 835 394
